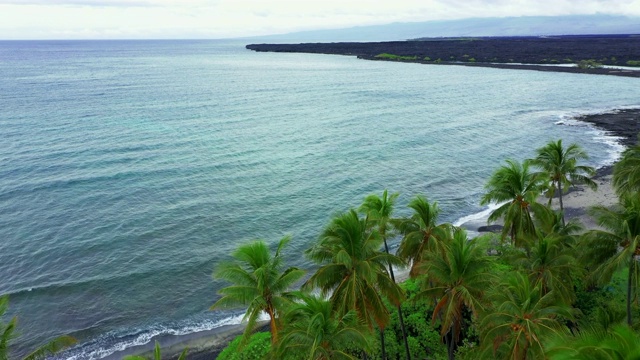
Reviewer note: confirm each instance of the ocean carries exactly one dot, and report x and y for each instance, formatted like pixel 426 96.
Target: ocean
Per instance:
pixel 129 169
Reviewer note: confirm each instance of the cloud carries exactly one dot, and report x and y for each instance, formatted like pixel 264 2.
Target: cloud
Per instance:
pixel 230 18
pixel 112 3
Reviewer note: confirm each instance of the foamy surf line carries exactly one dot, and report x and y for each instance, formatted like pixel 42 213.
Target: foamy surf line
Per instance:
pixel 603 136
pixel 115 346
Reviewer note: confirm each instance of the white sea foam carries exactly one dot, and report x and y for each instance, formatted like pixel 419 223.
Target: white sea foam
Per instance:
pixel 475 217
pixel 112 343
pixel 613 143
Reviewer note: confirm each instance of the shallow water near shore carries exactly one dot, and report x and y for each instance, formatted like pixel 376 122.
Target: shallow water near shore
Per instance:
pixel 130 168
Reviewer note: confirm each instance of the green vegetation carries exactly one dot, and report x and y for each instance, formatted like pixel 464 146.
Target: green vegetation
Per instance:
pixel 7 333
pixel 257 346
pixel 259 284
pixel 156 355
pixel 518 188
pixel 589 64
pixel 388 56
pixel 561 167
pixel 626 172
pixel 633 63
pixel 544 288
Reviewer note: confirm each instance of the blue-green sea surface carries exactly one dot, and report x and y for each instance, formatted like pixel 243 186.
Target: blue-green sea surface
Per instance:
pixel 129 169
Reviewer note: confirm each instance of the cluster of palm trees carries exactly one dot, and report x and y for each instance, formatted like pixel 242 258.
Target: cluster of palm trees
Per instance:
pixel 518 295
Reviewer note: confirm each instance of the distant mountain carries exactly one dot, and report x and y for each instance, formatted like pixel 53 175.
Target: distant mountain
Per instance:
pixel 509 26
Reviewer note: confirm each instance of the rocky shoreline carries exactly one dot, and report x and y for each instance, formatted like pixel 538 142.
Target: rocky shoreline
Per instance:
pixel 521 53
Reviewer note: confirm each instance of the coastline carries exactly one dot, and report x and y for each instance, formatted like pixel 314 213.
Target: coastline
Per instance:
pixel 515 53
pixel 624 124
pixel 507 66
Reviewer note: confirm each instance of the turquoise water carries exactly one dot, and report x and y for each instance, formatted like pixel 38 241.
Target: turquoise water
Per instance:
pixel 130 168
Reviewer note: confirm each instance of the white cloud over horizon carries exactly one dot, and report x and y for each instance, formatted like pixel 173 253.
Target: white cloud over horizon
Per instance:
pixel 132 19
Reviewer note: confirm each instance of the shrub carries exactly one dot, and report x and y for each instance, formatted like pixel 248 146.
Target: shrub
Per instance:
pixel 633 62
pixel 588 64
pixel 426 58
pixel 388 56
pixel 257 348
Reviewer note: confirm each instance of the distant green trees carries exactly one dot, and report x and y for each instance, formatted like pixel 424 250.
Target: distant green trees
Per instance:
pixel 388 56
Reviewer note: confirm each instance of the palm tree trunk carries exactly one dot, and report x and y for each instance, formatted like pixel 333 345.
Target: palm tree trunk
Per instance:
pixel 400 317
pixel 560 198
pixel 382 347
pixel 273 327
pixel 629 288
pixel 450 344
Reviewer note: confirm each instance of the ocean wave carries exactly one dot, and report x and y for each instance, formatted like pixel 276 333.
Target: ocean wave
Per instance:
pixel 113 342
pixel 613 143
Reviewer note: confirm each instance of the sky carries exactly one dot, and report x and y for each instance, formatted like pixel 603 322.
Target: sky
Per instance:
pixel 216 19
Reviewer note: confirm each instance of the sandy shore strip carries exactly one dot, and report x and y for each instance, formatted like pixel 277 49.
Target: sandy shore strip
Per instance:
pixel 580 199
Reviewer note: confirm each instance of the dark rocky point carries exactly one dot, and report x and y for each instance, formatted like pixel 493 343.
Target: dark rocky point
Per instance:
pixel 526 53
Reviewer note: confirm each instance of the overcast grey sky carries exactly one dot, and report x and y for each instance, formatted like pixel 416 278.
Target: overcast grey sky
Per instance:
pixel 109 19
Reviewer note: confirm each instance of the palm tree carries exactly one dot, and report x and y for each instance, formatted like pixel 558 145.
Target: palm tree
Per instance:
pixel 258 283
pixel 421 233
pixel 379 211
pixel 620 342
pixel 550 222
pixel 459 277
pixel 315 330
pixel 560 167
pixel 156 355
pixel 551 264
pixel 524 316
pixel 7 332
pixel 518 188
pixel 354 270
pixel 616 247
pixel 626 172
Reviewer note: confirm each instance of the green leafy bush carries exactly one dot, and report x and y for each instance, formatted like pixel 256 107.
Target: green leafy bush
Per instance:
pixel 388 56
pixel 257 348
pixel 588 64
pixel 633 62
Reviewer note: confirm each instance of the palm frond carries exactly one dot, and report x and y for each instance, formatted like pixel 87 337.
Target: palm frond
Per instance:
pixel 52 347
